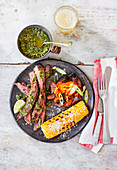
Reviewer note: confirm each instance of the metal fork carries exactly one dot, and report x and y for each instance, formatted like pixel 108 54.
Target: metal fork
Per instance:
pixel 103 95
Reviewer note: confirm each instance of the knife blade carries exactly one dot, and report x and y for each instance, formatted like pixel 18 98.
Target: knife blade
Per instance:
pixel 98 123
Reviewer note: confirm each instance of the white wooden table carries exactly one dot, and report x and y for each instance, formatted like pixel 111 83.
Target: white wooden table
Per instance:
pixel 94 37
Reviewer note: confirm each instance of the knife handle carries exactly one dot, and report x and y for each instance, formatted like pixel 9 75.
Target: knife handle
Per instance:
pixel 97 129
pixel 106 133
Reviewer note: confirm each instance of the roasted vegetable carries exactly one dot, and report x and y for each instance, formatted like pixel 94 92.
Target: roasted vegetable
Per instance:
pixel 64 120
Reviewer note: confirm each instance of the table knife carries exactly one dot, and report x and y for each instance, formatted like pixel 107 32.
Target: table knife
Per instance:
pixel 98 123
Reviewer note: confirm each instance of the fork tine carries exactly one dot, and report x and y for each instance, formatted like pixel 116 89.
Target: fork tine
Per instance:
pixel 101 82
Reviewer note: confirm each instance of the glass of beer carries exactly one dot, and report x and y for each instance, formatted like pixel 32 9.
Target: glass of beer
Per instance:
pixel 66 18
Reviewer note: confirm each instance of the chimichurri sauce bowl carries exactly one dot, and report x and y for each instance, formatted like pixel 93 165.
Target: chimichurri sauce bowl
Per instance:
pixel 28 41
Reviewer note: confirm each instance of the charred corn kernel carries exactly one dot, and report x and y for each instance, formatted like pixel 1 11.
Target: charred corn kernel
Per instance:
pixel 64 120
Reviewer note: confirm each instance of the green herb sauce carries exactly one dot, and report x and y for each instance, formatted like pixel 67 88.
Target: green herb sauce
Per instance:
pixel 29 43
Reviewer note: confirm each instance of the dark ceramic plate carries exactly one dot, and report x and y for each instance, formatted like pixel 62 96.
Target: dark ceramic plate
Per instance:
pixel 70 68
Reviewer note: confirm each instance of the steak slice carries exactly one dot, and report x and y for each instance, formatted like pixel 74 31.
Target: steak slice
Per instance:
pixel 40 74
pixel 48 71
pixel 52 87
pixel 39 110
pixel 23 88
pixel 31 99
pixel 40 106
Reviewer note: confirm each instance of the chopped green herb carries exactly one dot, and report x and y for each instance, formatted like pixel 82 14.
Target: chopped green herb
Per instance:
pixel 40 95
pixel 39 122
pixel 55 77
pixel 34 79
pixel 31 92
pixel 50 81
pixel 41 74
pixel 38 107
pixel 59 70
pixel 47 75
pixel 24 98
pixel 64 71
pixel 30 105
pixel 19 96
pixel 24 112
pixel 84 88
pixel 31 98
pixel 28 86
pixel 78 90
pixel 49 103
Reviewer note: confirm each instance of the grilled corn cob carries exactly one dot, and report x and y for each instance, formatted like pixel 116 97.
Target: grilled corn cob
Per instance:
pixel 64 120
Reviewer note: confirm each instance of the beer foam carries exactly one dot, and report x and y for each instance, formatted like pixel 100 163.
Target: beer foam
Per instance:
pixel 66 18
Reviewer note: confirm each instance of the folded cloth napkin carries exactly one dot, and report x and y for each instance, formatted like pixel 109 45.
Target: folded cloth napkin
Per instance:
pixel 86 136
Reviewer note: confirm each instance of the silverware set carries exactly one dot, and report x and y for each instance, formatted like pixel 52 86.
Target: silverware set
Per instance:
pixel 103 82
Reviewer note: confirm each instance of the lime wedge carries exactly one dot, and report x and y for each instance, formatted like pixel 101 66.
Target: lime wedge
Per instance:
pixel 18 106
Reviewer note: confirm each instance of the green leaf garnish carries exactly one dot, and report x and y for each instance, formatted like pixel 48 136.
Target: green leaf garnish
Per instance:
pixel 39 122
pixel 19 96
pixel 47 75
pixel 34 79
pixel 41 74
pixel 31 92
pixel 38 107
pixel 28 86
pixel 59 70
pixel 55 77
pixel 78 90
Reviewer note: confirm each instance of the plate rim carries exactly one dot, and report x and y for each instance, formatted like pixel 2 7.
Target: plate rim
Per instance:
pixel 41 60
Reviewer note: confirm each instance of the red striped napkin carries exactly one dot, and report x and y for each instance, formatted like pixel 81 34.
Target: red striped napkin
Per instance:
pixel 86 136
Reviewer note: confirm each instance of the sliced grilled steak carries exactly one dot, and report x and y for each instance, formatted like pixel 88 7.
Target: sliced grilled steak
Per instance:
pixel 36 126
pixel 31 99
pixel 39 110
pixel 27 118
pixel 40 74
pixel 79 84
pixel 19 116
pixel 40 106
pixel 52 87
pixel 48 71
pixel 23 88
